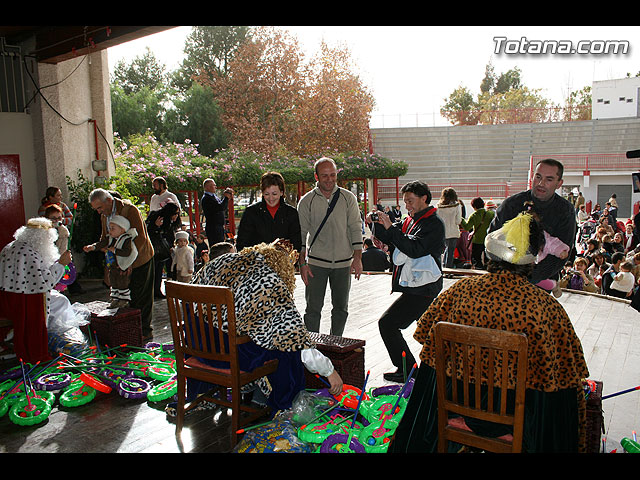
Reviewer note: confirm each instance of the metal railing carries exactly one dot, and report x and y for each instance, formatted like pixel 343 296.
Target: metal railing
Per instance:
pixel 482 117
pixel 592 161
pixel 496 191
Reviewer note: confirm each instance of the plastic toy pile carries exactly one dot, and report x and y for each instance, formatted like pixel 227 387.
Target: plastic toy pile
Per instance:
pixel 355 421
pixel 29 392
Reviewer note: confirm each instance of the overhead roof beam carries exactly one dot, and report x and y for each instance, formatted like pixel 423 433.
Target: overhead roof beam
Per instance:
pixel 54 44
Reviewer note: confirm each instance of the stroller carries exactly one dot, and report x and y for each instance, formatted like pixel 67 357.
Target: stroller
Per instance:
pixel 586 230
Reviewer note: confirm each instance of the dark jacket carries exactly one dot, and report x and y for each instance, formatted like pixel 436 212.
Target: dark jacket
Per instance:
pixel 257 225
pixel 425 237
pixel 558 218
pixel 166 231
pixel 213 208
pixel 375 260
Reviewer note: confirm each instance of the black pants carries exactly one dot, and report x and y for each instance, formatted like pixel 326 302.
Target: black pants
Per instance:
pixel 477 249
pixel 141 286
pixel 215 234
pixel 404 311
pixel 158 268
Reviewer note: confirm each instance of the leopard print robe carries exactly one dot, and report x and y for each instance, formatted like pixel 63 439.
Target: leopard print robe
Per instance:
pixel 264 304
pixel 507 301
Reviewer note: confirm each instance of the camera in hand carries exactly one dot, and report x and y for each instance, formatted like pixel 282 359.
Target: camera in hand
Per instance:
pixel 374 216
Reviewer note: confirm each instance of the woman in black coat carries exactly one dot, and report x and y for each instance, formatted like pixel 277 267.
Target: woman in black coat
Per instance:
pixel 161 226
pixel 270 218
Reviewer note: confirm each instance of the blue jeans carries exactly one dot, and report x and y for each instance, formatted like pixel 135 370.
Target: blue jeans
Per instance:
pixel 450 244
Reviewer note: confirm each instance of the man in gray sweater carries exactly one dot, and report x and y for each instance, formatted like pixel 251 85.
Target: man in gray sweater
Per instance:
pixel 332 246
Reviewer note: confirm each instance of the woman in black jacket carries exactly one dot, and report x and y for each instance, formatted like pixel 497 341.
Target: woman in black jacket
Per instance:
pixel 270 218
pixel 161 227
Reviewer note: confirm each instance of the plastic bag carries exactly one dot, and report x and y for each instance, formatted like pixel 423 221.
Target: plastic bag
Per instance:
pixel 63 324
pixel 70 342
pixel 307 406
pixel 64 316
pixel 277 436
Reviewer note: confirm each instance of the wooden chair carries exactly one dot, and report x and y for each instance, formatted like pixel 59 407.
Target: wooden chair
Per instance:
pixel 191 309
pixel 459 345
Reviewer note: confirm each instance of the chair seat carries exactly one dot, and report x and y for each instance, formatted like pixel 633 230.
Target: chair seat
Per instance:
pixel 196 363
pixel 459 423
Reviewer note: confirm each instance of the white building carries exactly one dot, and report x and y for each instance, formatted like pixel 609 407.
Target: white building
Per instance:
pixel 619 98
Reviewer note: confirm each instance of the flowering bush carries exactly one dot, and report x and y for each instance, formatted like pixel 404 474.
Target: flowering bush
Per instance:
pixel 184 168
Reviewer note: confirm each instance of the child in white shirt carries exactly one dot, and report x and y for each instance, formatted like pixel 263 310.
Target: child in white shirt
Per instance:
pixel 183 258
pixel 624 280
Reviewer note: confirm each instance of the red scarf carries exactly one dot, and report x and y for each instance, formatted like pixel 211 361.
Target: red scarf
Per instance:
pixel 408 220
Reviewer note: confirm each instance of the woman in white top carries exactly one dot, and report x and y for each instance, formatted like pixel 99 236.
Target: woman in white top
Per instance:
pixel 450 211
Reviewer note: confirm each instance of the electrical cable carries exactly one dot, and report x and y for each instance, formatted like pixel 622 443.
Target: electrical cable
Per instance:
pixel 39 89
pixel 39 92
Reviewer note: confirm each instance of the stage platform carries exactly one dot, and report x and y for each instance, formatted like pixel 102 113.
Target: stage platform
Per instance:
pixel 608 328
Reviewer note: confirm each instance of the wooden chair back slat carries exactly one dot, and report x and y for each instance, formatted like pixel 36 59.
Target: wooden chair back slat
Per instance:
pixel 474 357
pixel 197 313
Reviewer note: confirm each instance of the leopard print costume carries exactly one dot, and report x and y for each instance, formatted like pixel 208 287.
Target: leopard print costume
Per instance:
pixel 264 304
pixel 504 300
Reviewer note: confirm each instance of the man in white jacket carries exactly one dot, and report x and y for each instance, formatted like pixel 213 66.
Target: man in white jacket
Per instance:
pixel 332 248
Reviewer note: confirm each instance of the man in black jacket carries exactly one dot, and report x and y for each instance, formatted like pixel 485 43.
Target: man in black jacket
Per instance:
pixel 374 259
pixel 419 235
pixel 213 208
pixel 557 214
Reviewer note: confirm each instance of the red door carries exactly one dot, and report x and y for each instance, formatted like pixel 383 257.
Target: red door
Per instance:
pixel 12 212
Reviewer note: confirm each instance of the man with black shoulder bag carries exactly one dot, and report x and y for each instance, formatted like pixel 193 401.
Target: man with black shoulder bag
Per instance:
pixel 331 230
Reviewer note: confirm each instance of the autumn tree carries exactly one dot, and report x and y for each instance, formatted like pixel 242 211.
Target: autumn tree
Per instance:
pixel 502 99
pixel 275 102
pixel 259 91
pixel 336 106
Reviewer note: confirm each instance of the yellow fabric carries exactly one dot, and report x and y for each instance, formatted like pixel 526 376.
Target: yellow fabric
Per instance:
pixel 517 231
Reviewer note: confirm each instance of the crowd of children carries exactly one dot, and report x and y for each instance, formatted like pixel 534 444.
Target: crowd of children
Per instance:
pixel 607 259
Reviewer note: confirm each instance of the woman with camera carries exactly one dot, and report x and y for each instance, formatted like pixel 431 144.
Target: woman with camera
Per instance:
pixel 577 278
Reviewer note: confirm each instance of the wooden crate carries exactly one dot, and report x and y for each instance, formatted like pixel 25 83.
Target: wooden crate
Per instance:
pixel 347 356
pixel 123 327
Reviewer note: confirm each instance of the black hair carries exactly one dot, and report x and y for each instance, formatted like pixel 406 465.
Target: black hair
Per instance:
pixel 477 203
pixel 418 188
pixel 553 163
